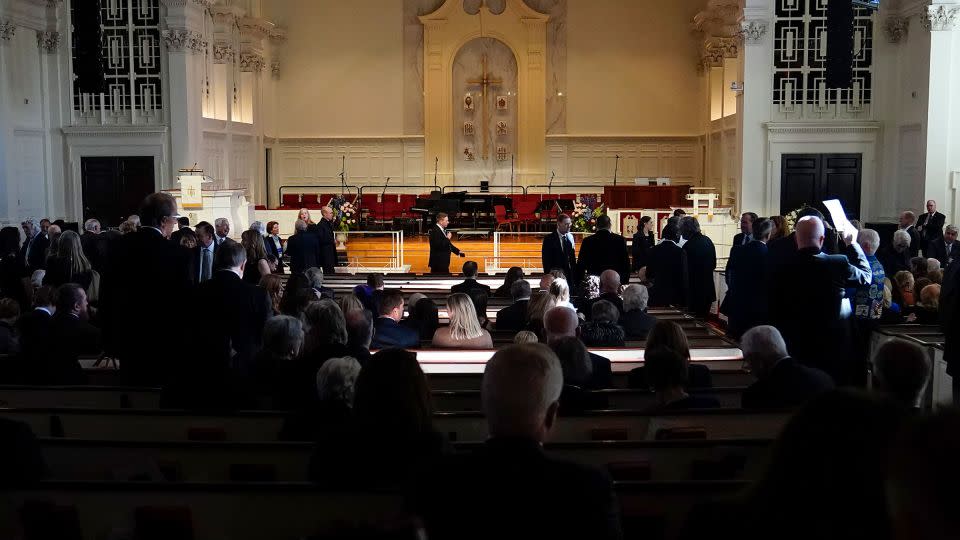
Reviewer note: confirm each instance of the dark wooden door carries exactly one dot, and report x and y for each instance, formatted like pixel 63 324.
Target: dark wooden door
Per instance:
pixel 113 187
pixel 813 178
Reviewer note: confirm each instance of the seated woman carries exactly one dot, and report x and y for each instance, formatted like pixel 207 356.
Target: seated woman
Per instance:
pixel 392 438
pixel 560 291
pixel 577 371
pixel 636 322
pixel 670 335
pixel 928 310
pixel 903 289
pixel 333 410
pixel 464 330
pixel 667 373
pixel 275 374
pixel 515 273
pixel 424 317
pixel 540 302
pixel 602 329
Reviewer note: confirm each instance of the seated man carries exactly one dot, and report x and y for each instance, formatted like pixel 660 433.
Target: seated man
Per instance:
pixel 470 282
pixel 783 382
pixel 636 322
pixel 387 331
pixel 667 372
pixel 901 370
pixel 511 487
pixel 71 335
pixel 560 322
pixel 315 275
pixel 609 291
pixel 514 316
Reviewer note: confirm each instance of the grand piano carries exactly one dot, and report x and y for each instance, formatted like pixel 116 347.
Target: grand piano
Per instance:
pixel 466 210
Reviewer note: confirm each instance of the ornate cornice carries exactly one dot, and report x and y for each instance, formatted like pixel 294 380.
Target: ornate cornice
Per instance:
pixel 226 14
pixel 255 27
pixel 113 131
pixel 224 53
pixel 252 61
pixel 716 49
pixel 753 31
pixel 798 128
pixel 720 18
pixel 205 4
pixel 7 30
pixel 278 34
pixel 48 41
pixel 940 17
pixel 896 28
pixel 183 40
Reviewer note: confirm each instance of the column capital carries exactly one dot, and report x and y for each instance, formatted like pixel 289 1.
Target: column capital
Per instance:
pixel 754 31
pixel 252 61
pixel 941 17
pixel 48 41
pixel 7 30
pixel 896 28
pixel 223 53
pixel 183 40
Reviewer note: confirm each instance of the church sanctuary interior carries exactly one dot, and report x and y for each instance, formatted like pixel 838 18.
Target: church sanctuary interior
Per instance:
pixel 472 269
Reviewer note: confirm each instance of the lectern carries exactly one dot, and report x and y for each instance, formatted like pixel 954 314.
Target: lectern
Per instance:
pixel 191 188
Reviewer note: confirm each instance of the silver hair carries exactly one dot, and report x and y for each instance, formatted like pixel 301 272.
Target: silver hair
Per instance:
pixel 327 323
pixel 869 240
pixel 283 336
pixel 901 238
pixel 764 340
pixel 33 225
pixel 911 215
pixel 933 264
pixel 36 278
pixel 337 378
pixel 221 221
pixel 950 228
pixel 259 226
pixel 300 225
pixel 635 297
pixel 315 277
pixel 520 383
pixel 91 225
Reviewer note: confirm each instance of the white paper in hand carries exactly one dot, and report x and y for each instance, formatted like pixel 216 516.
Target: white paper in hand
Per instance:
pixel 839 217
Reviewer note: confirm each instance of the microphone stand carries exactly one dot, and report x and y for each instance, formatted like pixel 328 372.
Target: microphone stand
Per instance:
pixel 511 174
pixel 383 197
pixel 550 184
pixel 616 167
pixel 436 165
pixel 343 176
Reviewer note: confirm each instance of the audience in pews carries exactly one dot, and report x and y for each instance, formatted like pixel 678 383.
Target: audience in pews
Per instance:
pixel 424 317
pixel 387 330
pixel 701 263
pixel 511 487
pixel 514 274
pixel 609 292
pixel 274 285
pixel 560 291
pixel 667 372
pixel 514 316
pixel 315 277
pixel 602 330
pixel 635 320
pixel 9 340
pixel 329 411
pixel 276 366
pixel 545 281
pixel 896 257
pixel 901 370
pixel 540 303
pixel 464 330
pixel 669 335
pixel 359 333
pixel 71 336
pixel 782 382
pixel 470 283
pixel 559 323
pixel 525 336
pixel 667 270
pixel 480 300
pixel 577 367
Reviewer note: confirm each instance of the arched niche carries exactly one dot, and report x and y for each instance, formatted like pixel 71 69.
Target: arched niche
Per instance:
pixel 446 31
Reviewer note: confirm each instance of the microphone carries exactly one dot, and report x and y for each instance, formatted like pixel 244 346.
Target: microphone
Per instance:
pixel 550 184
pixel 385 187
pixel 616 167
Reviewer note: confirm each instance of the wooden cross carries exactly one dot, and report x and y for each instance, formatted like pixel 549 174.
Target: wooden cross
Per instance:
pixel 484 81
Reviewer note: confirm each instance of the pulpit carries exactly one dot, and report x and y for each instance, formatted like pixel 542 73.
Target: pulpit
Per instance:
pixel 628 196
pixel 210 204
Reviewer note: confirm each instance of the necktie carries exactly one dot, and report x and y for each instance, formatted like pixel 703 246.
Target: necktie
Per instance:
pixel 205 265
pixel 567 247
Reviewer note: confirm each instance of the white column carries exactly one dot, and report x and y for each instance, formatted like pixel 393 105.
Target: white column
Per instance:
pixel 755 108
pixel 186 45
pixel 943 114
pixel 8 199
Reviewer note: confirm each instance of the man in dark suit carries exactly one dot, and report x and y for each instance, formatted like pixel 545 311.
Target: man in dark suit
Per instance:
pixel 603 251
pixel 609 291
pixel 202 257
pixel 328 242
pixel 783 382
pixel 746 301
pixel 745 236
pixel 945 249
pixel 667 270
pixel 222 228
pixel 950 324
pixel 635 320
pixel 303 248
pixel 908 222
pixel 782 249
pixel 558 251
pixel 91 241
pixel 33 329
pixel 514 316
pixel 511 484
pixel 701 263
pixel 183 223
pixel 387 331
pixel 561 322
pixel 144 289
pixel 441 247
pixel 470 270
pixel 930 226
pixel 33 252
pixel 71 336
pixel 806 293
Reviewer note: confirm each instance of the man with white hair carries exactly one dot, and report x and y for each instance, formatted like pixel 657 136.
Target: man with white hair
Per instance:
pixel 930 225
pixel 907 224
pixel 511 484
pixel 560 322
pixel 868 299
pixel 33 252
pixel 945 249
pixel 609 291
pixel 303 248
pixel 93 244
pixel 806 293
pixel 222 228
pixel 635 320
pixel 782 381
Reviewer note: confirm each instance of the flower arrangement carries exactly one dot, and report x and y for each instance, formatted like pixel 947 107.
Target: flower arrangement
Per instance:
pixel 792 217
pixel 345 214
pixel 585 214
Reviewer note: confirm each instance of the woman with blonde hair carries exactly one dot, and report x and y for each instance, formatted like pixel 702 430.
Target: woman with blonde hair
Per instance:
pixel 464 330
pixel 540 302
pixel 560 291
pixel 257 265
pixel 903 288
pixel 304 214
pixel 68 264
pixel 349 302
pixel 273 284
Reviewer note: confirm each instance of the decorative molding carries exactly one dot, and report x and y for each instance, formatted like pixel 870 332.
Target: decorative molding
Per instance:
pixel 205 4
pixel 278 35
pixel 226 15
pixel 780 128
pixel 753 31
pixel 255 27
pixel 275 69
pixel 48 41
pixel 716 49
pixel 7 30
pixel 940 17
pixel 183 40
pixel 720 18
pixel 224 53
pixel 252 61
pixel 896 28
pixel 114 131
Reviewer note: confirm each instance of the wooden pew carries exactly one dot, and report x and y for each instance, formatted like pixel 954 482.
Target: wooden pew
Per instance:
pixel 198 461
pixel 146 425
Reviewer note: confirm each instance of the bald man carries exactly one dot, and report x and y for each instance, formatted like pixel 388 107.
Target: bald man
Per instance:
pixel 560 322
pixel 328 244
pixel 806 296
pixel 609 291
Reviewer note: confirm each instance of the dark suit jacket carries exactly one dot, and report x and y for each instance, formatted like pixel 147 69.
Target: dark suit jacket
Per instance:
pixel 389 333
pixel 915 241
pixel 602 376
pixel 938 250
pixel 747 271
pixel 637 323
pixel 641 249
pixel 71 338
pixel 234 313
pixel 194 256
pixel 176 235
pixel 553 256
pixel 738 240
pixel 145 288
pixel 667 270
pixel 304 251
pixel 788 385
pixel 95 250
pixel 512 488
pixel 603 251
pixel 701 263
pixel 21 458
pixel 469 285
pixel 38 254
pixel 893 261
pixel 328 246
pixel 930 228
pixel 513 317
pixel 805 298
pixel 440 250
pixel 950 317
